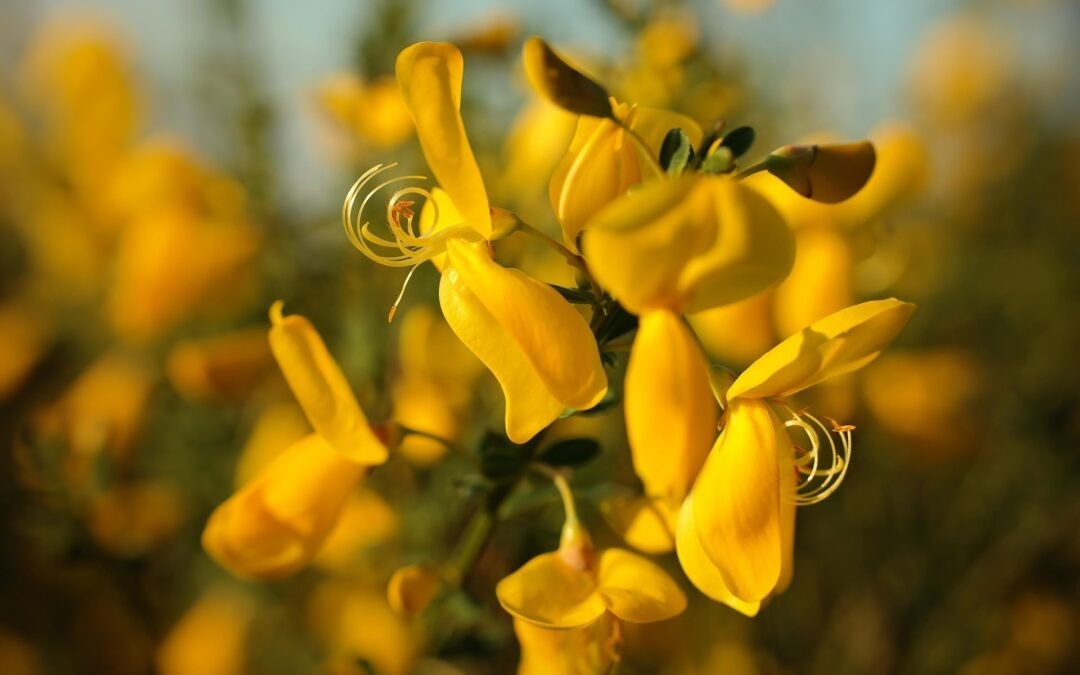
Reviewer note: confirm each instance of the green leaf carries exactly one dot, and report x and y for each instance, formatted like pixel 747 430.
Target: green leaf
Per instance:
pixel 571 452
pixel 738 141
pixel 676 152
pixel 501 460
pixel 711 137
pixel 574 296
pixel 720 161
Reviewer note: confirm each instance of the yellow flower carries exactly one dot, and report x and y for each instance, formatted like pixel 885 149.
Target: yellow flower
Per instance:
pixel 374 111
pixel 209 639
pixel 575 586
pixel 226 366
pixel 276 523
pixel 356 623
pixel 928 396
pixel 604 162
pixel 25 340
pixel 736 527
pixel 668 248
pixel 129 519
pixel 101 412
pixel 539 348
pixel 589 650
pixel 434 391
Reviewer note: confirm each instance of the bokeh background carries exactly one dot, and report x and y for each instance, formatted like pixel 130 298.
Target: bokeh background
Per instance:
pixel 167 170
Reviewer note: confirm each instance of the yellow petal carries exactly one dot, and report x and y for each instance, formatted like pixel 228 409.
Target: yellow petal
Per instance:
pixel 647 524
pixel 275 524
pixel 636 590
pixel 820 280
pixel 737 501
pixel 748 248
pixel 210 638
pixel 670 408
pixel 702 571
pixel 652 124
pixel 438 214
pixel 639 245
pixel 549 592
pixel 603 169
pixel 529 405
pixel 553 339
pixel 738 333
pixel 840 343
pixel 429 74
pixel 321 388
pixel 587 650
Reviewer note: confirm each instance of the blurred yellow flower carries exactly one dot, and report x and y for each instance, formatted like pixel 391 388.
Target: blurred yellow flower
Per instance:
pixel 101 412
pixel 366 521
pixel 25 339
pixel 357 624
pixel 76 75
pixel 435 389
pixel 17 657
pixel 928 396
pixel 277 427
pixel 173 263
pixel 374 111
pixel 413 587
pixel 129 519
pixel 210 638
pixel 228 366
pixel 539 348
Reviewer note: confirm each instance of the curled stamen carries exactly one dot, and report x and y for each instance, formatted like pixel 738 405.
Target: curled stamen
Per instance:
pixel 408 247
pixel 819 476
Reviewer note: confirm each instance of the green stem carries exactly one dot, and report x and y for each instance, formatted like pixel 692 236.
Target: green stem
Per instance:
pixel 446 443
pixel 472 542
pixel 763 165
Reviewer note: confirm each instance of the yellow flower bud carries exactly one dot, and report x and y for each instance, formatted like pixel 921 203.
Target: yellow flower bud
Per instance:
pixel 412 588
pixel 209 639
pixel 588 650
pixel 824 173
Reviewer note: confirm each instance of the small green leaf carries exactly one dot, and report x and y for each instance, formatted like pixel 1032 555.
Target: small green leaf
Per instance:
pixel 501 460
pixel 574 295
pixel 720 161
pixel 571 452
pixel 676 152
pixel 738 141
pixel 711 137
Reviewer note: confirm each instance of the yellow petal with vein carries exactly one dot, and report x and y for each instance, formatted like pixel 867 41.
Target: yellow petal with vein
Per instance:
pixel 747 248
pixel 670 408
pixel 636 590
pixel 701 571
pixel 321 388
pixel 429 74
pixel 552 336
pixel 838 344
pixel 647 524
pixel 639 245
pixel 737 501
pixel 529 405
pixel 548 592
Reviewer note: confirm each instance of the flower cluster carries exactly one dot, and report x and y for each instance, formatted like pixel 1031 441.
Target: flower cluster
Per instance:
pixel 658 222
